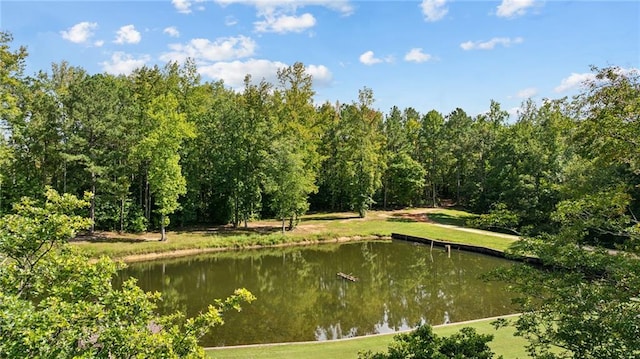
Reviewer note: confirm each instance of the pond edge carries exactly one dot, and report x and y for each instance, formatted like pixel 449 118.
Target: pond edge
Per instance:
pixel 465 247
pixel 142 257
pixel 358 337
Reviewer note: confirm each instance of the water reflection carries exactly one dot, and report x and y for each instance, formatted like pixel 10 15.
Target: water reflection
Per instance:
pixel 301 298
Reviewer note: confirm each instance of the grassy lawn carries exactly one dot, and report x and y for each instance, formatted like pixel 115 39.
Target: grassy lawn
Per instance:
pixel 504 343
pixel 314 228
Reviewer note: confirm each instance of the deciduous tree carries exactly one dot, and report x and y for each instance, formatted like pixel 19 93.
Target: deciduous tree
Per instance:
pixel 56 303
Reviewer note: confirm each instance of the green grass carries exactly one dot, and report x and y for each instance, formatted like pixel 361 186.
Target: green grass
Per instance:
pixel 316 227
pixel 504 343
pixel 451 217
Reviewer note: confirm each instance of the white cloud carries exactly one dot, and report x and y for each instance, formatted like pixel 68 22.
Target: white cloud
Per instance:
pixel 172 31
pixel 491 44
pixel 434 10
pixel 79 33
pixel 513 8
pixel 286 23
pixel 321 75
pixel 226 48
pixel 98 43
pixel 577 80
pixel 280 15
pixel 574 81
pixel 290 6
pixel 233 73
pixel 416 55
pixel 127 35
pixel 123 64
pixel 183 6
pixel 368 58
pixel 527 93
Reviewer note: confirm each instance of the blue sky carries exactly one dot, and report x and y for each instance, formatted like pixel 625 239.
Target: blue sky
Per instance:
pixel 431 54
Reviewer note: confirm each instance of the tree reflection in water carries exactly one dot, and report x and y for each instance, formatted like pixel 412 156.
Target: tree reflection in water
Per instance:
pixel 301 298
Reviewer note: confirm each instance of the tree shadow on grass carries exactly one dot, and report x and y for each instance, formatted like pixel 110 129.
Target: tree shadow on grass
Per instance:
pixel 328 218
pixel 106 237
pixel 408 217
pixel 443 218
pixel 401 219
pixel 229 231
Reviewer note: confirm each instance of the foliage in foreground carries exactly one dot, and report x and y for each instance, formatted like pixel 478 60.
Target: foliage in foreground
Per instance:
pixel 56 303
pixel 422 343
pixel 586 298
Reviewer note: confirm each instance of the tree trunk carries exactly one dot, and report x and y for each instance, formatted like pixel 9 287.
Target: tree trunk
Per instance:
pixel 163 235
pixel 283 229
pixel 384 198
pixel 433 194
pixel 122 215
pixel 147 198
pixel 457 185
pixel 64 178
pixel 92 213
pixel 236 213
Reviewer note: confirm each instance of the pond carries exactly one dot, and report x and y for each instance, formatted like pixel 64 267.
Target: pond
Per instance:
pixel 301 298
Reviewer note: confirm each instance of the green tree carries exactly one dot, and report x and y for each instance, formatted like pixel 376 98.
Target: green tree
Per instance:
pixel 326 198
pixel 485 132
pixel 294 157
pixel 584 300
pixel 287 185
pixel 56 303
pixel 608 117
pixel 360 155
pixel 160 149
pixel 145 84
pixel 459 141
pixel 203 161
pixel 245 135
pixel 94 134
pixel 422 343
pixel 11 69
pixel 6 159
pixel 433 153
pixel 36 137
pixel 403 179
pixel 11 73
pixel 525 167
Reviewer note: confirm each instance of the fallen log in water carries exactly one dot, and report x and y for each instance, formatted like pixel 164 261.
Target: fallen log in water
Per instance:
pixel 347 277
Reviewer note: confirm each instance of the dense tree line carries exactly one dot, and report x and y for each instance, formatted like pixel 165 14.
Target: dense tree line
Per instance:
pixel 162 144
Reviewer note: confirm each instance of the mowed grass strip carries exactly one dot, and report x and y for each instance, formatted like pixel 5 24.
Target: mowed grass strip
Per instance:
pixel 313 228
pixel 503 343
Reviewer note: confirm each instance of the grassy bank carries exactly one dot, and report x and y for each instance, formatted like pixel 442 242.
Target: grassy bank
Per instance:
pixel 504 343
pixel 430 223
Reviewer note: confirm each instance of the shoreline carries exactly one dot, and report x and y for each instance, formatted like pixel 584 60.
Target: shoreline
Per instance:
pixel 177 253
pixel 472 321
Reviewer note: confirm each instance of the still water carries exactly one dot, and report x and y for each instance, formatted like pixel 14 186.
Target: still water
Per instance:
pixel 300 297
